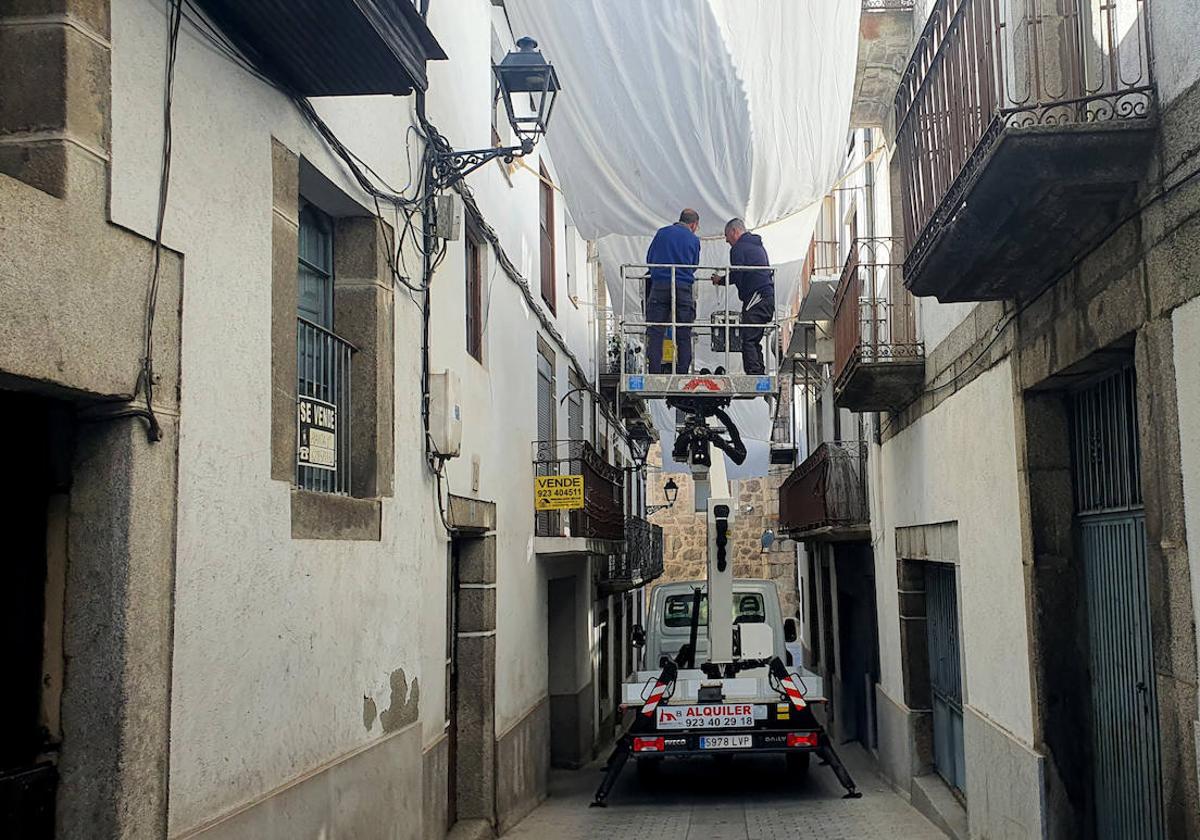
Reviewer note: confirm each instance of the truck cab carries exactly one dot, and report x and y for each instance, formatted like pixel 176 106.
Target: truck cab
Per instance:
pixel 669 618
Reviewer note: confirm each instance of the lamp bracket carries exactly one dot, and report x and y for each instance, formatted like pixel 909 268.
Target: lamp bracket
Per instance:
pixel 450 166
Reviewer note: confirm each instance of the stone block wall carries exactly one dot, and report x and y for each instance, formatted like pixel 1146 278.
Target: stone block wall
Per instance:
pixel 685 537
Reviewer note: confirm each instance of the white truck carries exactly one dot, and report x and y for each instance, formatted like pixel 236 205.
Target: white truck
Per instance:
pixel 718 679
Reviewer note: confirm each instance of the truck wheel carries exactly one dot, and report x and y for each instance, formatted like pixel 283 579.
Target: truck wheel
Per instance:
pixel 797 764
pixel 647 770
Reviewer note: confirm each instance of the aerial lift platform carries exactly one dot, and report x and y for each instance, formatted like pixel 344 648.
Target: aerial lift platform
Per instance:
pixel 718 338
pixel 743 698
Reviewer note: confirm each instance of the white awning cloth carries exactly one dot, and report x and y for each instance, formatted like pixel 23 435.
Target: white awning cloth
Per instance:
pixel 731 108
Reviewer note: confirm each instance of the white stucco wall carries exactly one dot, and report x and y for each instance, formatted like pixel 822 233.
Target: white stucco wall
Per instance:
pixel 278 641
pixel 936 320
pixel 959 463
pixel 1176 37
pixel 1186 321
pixel 499 397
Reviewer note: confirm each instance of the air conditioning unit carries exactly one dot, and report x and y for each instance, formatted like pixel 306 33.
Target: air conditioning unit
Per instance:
pixel 445 414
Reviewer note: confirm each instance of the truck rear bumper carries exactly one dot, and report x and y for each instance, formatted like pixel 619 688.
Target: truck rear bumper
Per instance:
pixel 659 744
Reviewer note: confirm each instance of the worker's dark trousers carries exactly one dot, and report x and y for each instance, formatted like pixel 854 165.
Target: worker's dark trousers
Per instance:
pixel 758 310
pixel 658 309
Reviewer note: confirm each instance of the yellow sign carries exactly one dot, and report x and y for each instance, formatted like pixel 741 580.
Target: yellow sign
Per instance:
pixel 668 350
pixel 558 492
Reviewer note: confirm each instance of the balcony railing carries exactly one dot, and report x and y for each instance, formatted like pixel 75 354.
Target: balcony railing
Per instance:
pixel 985 67
pixel 323 373
pixel 603 514
pixel 875 325
pixel 826 496
pixel 640 562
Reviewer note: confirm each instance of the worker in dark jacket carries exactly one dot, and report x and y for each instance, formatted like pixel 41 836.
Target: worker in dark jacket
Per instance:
pixel 756 290
pixel 675 245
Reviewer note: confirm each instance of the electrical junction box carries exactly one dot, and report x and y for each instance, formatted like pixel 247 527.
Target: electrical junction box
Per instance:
pixel 445 414
pixel 448 217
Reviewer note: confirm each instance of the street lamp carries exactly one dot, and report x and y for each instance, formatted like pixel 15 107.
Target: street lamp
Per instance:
pixel 528 86
pixel 524 71
pixel 671 491
pixel 639 445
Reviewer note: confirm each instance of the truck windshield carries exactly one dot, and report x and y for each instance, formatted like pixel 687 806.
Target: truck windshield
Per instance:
pixel 747 607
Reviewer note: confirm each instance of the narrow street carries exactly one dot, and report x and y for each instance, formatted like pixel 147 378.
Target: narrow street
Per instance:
pixel 753 799
pixel 414 405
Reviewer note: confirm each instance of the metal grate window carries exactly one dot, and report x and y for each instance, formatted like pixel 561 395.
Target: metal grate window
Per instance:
pixel 323 358
pixel 575 408
pixel 1105 432
pixel 323 365
pixel 547 522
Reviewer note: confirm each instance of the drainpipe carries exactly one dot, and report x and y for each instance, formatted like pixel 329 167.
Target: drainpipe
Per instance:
pixel 428 243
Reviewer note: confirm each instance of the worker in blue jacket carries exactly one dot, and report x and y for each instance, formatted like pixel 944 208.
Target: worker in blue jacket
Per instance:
pixel 676 245
pixel 756 290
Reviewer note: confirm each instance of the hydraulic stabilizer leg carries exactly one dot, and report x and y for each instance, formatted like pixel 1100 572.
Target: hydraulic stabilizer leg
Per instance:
pixel 826 752
pixel 616 763
pixel 663 688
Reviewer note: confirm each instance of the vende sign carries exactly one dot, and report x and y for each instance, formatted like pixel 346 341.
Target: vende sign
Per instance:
pixel 558 492
pixel 316 434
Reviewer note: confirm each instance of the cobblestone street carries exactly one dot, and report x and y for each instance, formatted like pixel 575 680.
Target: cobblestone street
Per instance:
pixel 754 799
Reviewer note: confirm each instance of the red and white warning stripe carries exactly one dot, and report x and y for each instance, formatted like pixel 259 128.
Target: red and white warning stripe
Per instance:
pixel 793 693
pixel 656 696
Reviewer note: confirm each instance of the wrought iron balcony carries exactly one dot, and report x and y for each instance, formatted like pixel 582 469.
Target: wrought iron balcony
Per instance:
pixel 602 516
pixel 878 363
pixel 323 373
pixel 885 36
pixel 1022 125
pixel 640 562
pixel 825 498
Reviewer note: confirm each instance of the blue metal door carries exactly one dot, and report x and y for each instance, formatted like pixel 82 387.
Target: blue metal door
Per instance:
pixel 945 673
pixel 1110 522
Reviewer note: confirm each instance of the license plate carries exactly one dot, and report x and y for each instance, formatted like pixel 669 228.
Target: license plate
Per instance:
pixel 726 742
pixel 716 716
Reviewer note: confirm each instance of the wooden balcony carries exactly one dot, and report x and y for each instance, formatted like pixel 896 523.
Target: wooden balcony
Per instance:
pixel 825 498
pixel 1023 127
pixel 878 363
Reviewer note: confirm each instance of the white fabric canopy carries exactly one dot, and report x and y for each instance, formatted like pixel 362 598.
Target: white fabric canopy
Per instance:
pixel 733 108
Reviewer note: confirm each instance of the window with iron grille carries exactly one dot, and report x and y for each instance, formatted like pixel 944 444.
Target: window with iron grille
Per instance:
pixel 474 284
pixel 546 207
pixel 322 360
pixel 575 408
pixel 547 522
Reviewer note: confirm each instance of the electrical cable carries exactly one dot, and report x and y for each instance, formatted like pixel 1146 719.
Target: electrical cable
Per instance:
pixel 147 375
